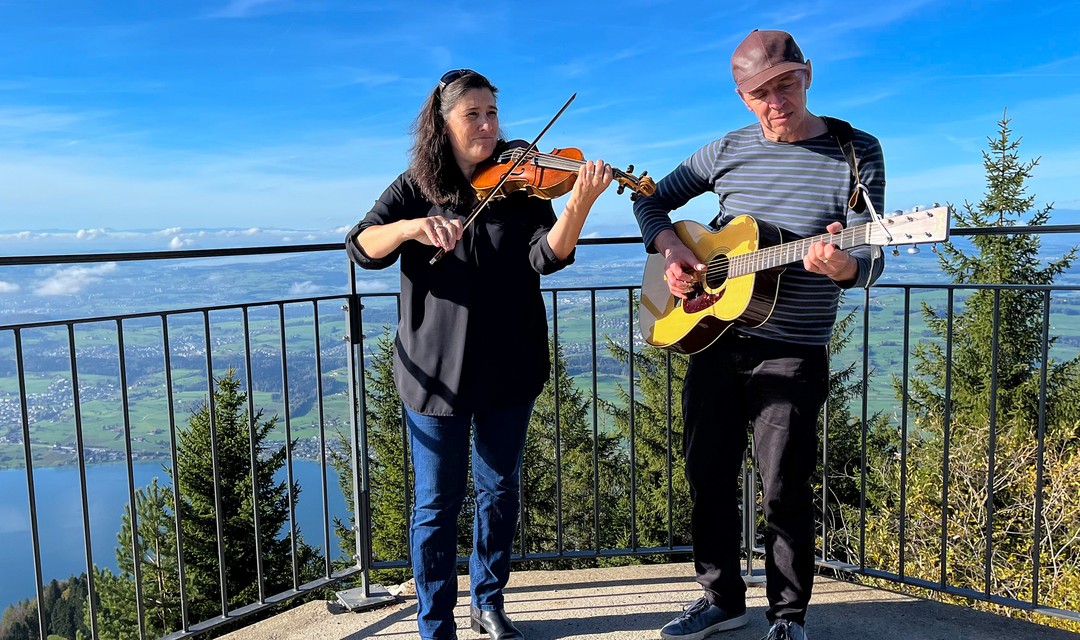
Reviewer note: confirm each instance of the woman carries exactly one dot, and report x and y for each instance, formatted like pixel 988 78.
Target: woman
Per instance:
pixel 471 352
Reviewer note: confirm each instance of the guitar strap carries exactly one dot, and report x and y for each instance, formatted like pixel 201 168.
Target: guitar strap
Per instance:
pixel 841 131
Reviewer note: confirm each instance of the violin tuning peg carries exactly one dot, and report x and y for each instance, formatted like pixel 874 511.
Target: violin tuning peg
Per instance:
pixel 622 187
pixel 630 168
pixel 644 173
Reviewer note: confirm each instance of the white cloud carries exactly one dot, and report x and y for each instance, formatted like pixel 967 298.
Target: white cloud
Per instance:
pixel 89 234
pixel 178 243
pixel 306 288
pixel 73 279
pixel 130 185
pixel 8 287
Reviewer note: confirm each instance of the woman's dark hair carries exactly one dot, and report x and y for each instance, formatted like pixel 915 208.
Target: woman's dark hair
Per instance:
pixel 431 160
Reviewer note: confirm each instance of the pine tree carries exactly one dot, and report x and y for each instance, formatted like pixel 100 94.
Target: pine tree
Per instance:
pixel 844 467
pixel 157 565
pixel 66 612
pixel 64 604
pixel 996 259
pixel 968 430
pixel 571 456
pixel 657 392
pixel 659 471
pixel 386 466
pixel 195 477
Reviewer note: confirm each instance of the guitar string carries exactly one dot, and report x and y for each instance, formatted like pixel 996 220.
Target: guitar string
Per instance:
pixel 788 252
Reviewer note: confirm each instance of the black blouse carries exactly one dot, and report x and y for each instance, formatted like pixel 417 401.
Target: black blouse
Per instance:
pixel 473 328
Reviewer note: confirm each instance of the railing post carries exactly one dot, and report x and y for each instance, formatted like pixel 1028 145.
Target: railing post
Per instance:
pixel 750 577
pixel 367 595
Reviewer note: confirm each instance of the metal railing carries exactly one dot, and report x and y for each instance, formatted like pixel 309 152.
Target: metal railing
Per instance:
pixel 261 340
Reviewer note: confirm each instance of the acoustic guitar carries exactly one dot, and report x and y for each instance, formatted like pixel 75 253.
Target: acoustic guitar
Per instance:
pixel 744 262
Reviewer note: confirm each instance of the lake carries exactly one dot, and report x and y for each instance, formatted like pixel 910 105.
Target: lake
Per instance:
pixel 59 512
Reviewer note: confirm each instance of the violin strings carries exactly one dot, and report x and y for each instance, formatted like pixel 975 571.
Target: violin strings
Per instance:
pixel 551 161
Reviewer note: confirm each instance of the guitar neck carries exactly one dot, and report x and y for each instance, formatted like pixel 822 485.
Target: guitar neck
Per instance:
pixel 789 252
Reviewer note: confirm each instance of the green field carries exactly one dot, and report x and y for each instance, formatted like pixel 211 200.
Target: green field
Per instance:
pixel 104 422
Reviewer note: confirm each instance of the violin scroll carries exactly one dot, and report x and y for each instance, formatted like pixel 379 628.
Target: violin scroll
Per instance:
pixel 641 185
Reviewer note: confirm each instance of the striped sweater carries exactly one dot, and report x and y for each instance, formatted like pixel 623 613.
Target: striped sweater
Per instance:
pixel 800 187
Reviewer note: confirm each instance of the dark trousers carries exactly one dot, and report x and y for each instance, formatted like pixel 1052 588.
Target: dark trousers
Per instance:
pixel 777 388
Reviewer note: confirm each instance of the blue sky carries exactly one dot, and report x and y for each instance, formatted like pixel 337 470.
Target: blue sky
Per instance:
pixel 255 115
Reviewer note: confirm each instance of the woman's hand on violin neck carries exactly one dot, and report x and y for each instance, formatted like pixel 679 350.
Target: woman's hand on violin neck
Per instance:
pixel 592 179
pixel 438 231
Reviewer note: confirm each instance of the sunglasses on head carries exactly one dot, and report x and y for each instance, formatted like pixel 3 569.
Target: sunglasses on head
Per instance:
pixel 453 76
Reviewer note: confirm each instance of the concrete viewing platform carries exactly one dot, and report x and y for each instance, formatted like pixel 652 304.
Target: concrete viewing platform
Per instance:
pixel 634 602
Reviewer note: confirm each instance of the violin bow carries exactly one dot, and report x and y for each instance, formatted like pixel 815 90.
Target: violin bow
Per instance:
pixel 517 163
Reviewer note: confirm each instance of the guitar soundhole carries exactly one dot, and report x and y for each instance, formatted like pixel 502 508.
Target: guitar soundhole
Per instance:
pixel 717 271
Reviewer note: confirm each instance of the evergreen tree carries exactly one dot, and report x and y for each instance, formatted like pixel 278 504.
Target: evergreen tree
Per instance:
pixel 657 393
pixel 157 564
pixel 389 483
pixel 195 478
pixel 996 259
pixel 979 414
pixel 571 455
pixel 657 444
pixel 64 603
pixel 844 468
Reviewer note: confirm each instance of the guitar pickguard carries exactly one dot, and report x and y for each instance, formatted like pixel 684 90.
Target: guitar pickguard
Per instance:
pixel 701 301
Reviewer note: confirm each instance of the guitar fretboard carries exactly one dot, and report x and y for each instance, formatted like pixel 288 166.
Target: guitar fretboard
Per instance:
pixel 788 252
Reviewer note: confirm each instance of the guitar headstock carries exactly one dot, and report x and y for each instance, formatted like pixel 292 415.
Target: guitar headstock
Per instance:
pixel 929 225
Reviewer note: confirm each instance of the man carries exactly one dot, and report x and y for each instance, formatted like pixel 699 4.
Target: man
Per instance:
pixel 789 170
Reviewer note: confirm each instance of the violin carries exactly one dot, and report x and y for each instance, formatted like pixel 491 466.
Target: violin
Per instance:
pixel 545 175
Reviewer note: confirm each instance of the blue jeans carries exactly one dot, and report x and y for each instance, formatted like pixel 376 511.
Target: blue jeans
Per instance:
pixel 440 458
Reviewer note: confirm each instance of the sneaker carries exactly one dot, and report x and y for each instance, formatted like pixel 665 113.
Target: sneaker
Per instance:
pixel 786 630
pixel 699 620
